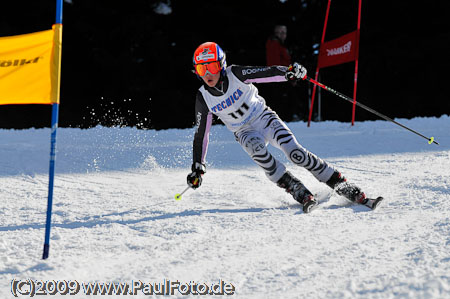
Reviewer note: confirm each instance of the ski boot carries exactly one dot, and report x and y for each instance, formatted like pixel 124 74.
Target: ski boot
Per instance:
pixel 351 191
pixel 293 186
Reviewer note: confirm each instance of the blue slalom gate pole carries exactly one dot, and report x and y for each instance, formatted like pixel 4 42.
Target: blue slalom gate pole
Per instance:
pixel 55 113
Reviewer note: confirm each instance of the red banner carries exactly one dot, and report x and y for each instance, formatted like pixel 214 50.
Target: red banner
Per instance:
pixel 338 51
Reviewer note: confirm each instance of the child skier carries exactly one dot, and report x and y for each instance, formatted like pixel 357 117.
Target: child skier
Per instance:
pixel 228 92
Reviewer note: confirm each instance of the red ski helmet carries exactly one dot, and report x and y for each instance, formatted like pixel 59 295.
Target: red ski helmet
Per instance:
pixel 205 54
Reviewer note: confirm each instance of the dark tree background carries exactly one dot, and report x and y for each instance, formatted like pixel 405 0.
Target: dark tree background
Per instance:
pixel 124 64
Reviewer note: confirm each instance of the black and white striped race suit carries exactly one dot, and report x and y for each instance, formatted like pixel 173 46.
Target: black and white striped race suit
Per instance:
pixel 236 102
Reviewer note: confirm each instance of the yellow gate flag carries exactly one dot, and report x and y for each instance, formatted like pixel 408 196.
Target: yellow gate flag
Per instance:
pixel 30 67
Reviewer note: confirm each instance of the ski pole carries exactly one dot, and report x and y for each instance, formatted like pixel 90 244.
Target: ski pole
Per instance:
pixel 343 96
pixel 178 195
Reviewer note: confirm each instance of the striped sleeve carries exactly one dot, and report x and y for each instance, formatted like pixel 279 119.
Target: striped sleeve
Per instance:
pixel 203 125
pixel 260 74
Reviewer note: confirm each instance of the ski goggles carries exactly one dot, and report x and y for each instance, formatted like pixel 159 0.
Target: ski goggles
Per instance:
pixel 212 67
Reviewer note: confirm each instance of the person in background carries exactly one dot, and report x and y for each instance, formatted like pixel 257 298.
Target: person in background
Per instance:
pixel 229 93
pixel 276 51
pixel 283 98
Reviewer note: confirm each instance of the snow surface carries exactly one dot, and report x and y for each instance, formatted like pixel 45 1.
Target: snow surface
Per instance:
pixel 115 218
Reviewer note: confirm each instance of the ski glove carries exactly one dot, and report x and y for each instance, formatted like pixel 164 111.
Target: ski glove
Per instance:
pixel 194 179
pixel 296 71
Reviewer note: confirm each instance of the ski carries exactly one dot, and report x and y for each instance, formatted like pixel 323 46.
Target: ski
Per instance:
pixel 320 197
pixel 310 206
pixel 324 196
pixel 373 203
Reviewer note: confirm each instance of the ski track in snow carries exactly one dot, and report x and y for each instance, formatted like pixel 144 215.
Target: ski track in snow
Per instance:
pixel 115 218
